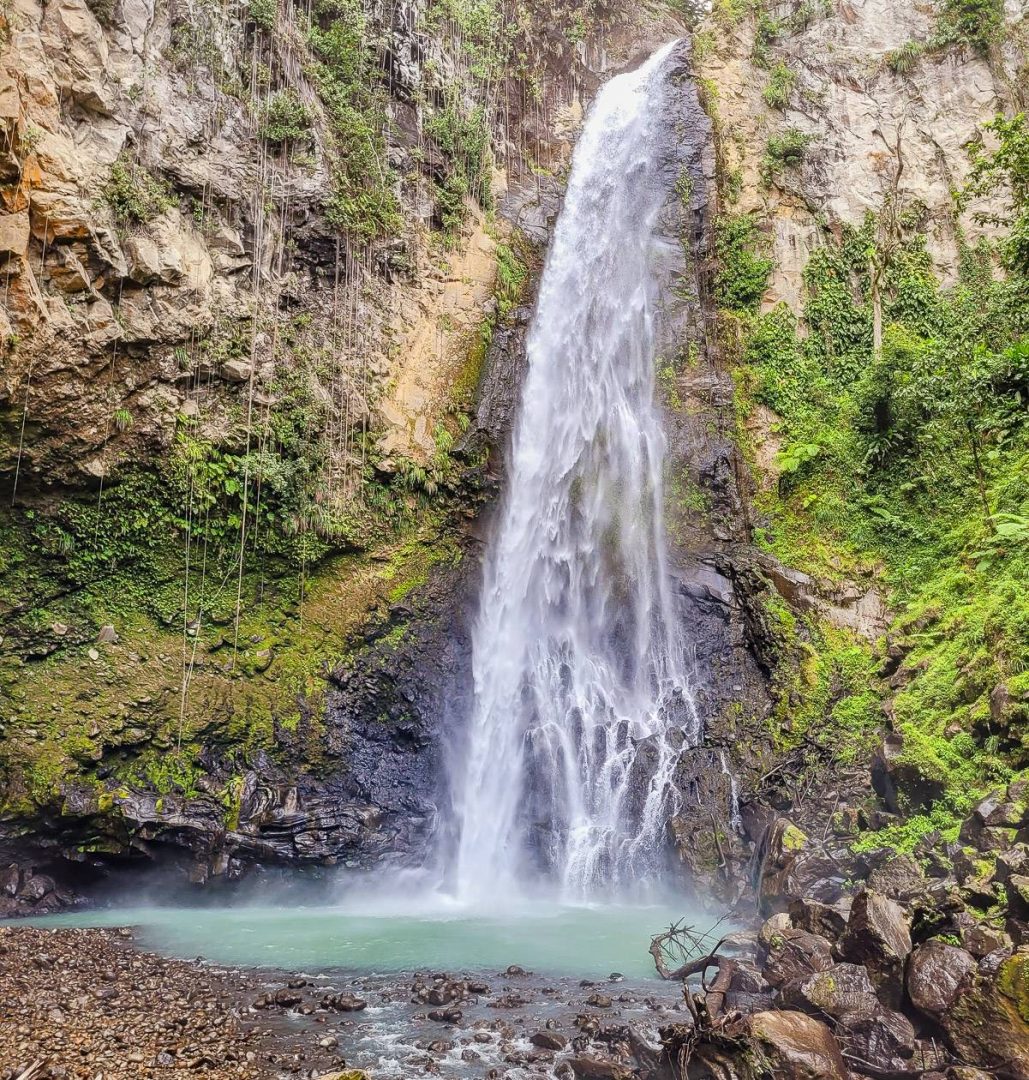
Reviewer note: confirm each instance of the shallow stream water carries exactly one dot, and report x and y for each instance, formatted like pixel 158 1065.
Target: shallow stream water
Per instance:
pixel 566 955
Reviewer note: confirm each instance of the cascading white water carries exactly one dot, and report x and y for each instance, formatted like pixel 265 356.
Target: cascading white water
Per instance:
pixel 581 696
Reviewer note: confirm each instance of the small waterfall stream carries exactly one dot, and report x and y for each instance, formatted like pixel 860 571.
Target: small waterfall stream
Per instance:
pixel 582 700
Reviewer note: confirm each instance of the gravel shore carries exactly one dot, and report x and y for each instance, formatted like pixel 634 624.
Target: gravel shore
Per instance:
pixel 85 1003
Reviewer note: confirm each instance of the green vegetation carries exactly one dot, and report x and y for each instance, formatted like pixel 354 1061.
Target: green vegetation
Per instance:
pixel 771 29
pixel 262 13
pixel 782 81
pixel 903 60
pixel 285 119
pixel 363 203
pixel 463 139
pixel 973 24
pixel 743 272
pixel 134 194
pixel 785 151
pixel 906 462
pixel 1006 169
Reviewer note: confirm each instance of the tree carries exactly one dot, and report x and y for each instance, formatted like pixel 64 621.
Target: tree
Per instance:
pixel 1005 169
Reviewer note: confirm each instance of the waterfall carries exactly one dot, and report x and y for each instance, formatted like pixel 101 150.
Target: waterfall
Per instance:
pixel 582 702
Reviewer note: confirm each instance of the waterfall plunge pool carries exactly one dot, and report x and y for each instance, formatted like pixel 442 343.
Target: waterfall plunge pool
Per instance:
pixel 378 936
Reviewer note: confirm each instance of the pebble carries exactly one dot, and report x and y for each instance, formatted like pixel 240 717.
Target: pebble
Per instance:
pixel 90 1006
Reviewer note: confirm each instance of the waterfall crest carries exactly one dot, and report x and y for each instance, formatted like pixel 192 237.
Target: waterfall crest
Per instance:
pixel 582 700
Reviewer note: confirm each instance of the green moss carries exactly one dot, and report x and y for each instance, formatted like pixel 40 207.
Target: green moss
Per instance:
pixel 1013 983
pixel 793 839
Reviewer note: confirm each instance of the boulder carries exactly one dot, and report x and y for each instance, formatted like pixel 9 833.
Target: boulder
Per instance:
pixel 796 954
pixel 772 928
pixel 237 371
pixel 879 1041
pixel 935 973
pixel 827 920
pixel 841 989
pixel 899 878
pixel 594 1068
pixel 792 865
pixel 794 1046
pixel 988 1021
pixel 549 1040
pixel 981 940
pixel 10 880
pixel 877 936
pixel 1017 889
pixel 35 887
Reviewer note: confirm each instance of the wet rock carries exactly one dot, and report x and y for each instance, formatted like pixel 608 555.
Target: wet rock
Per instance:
pixel 935 973
pixel 899 877
pixel 35 887
pixel 794 1046
pixel 344 1003
pixel 893 776
pixel 880 1041
pixel 10 880
pixel 792 865
pixel 774 926
pixel 796 954
pixel 981 940
pixel 824 919
pixel 286 998
pixel 988 1021
pixel 877 936
pixel 599 1001
pixel 841 989
pixel 549 1040
pixel 446 1016
pixel 594 1068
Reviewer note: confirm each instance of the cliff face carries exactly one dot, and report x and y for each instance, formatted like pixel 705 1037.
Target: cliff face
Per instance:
pixel 875 114
pixel 267 275
pixel 255 263
pixel 183 186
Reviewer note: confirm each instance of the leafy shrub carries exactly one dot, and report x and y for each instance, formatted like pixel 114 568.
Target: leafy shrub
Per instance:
pixel 1006 168
pixel 903 60
pixel 781 83
pixel 742 275
pixel 262 13
pixel 464 141
pixel 785 151
pixel 975 24
pixel 285 119
pixel 362 203
pixel 135 195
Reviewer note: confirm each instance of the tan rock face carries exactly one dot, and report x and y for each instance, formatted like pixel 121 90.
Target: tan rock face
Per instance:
pixel 869 129
pixel 213 242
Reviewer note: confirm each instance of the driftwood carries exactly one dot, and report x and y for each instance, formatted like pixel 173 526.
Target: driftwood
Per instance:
pixel 686 941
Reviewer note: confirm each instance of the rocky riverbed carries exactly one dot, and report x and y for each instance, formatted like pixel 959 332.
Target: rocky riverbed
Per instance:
pixel 870 964
pixel 87 1002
